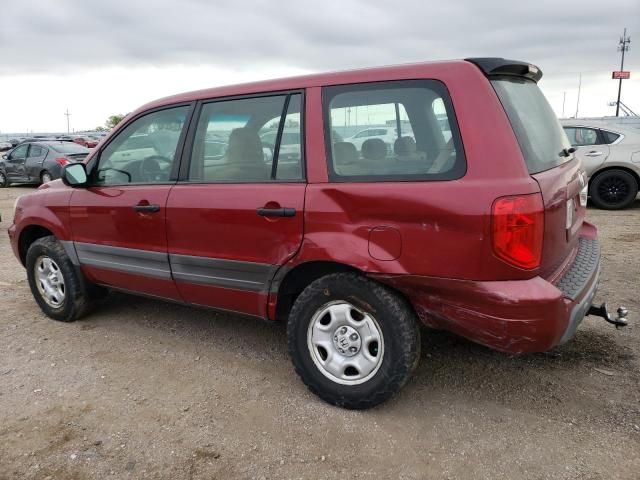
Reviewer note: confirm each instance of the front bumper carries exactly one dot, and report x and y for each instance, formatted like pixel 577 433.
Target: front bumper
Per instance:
pixel 515 317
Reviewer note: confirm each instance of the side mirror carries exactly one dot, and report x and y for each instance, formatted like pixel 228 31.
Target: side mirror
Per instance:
pixel 74 175
pixel 4 157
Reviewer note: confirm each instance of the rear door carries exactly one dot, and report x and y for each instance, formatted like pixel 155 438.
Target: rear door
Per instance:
pixel 34 161
pixel 119 220
pixel 590 145
pixel 234 218
pixel 559 174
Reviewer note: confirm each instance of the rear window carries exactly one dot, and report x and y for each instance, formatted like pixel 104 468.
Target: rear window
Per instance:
pixel 70 148
pixel 535 124
pixel 392 131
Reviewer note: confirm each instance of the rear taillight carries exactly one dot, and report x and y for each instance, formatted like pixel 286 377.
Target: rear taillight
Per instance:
pixel 62 161
pixel 517 229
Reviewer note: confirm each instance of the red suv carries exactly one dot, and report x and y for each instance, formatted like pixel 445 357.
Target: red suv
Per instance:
pixel 470 220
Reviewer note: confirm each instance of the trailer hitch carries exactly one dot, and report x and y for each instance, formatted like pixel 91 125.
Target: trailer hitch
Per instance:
pixel 602 311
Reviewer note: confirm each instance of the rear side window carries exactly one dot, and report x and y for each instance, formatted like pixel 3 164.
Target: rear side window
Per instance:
pixel 392 131
pixel 609 137
pixel 536 126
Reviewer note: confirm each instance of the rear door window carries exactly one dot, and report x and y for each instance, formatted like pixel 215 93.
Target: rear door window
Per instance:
pixel 392 131
pixel 540 136
pixel 580 136
pixel 249 140
pixel 36 151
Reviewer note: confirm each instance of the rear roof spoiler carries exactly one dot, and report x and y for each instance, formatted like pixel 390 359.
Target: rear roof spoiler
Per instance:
pixel 500 66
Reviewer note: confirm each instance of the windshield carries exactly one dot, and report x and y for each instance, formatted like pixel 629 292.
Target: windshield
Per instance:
pixel 536 126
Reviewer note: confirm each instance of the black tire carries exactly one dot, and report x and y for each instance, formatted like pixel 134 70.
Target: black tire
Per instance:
pixel 3 180
pixel 613 189
pixel 43 174
pixel 79 294
pixel 395 319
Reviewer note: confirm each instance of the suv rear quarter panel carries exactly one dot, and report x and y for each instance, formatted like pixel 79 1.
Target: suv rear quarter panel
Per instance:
pixel 444 226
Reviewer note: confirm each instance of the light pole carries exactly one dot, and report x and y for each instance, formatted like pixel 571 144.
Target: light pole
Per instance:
pixel 623 46
pixel 67 114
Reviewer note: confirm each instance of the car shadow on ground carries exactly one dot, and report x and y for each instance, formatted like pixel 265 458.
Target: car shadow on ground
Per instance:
pixel 451 367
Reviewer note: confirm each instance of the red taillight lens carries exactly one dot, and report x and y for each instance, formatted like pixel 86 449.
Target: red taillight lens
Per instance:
pixel 517 229
pixel 62 161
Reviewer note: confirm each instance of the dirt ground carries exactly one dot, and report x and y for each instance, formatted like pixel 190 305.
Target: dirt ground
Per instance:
pixel 145 389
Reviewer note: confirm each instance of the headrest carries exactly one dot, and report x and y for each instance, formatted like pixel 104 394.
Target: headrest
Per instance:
pixel 344 153
pixel 374 149
pixel 244 147
pixel 404 146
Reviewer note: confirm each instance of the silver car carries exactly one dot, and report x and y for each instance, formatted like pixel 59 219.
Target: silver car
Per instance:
pixel 610 154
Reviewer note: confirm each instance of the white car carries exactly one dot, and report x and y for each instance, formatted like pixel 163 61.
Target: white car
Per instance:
pixel 387 134
pixel 610 154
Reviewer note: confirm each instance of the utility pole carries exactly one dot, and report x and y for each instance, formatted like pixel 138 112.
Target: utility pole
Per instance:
pixel 578 101
pixel 623 46
pixel 67 114
pixel 564 99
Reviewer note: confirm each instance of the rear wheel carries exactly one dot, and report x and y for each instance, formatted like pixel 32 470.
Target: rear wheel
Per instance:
pixel 353 342
pixel 3 180
pixel 45 177
pixel 57 286
pixel 613 189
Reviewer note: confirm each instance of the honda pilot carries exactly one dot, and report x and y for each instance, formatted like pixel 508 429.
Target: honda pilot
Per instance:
pixel 471 219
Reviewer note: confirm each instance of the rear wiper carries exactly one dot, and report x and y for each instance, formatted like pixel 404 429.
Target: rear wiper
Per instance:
pixel 565 152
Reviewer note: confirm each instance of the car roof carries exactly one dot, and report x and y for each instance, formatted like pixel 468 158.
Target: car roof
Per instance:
pixel 393 72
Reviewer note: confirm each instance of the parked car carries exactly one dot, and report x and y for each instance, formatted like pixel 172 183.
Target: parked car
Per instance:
pixel 4 146
pixel 86 141
pixel 14 142
pixel 38 162
pixel 470 228
pixel 611 157
pixel 387 134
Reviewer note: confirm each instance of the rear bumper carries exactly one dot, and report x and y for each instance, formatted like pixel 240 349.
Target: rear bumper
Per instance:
pixel 510 316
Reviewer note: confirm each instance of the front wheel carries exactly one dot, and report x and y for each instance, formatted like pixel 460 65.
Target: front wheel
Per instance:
pixel 353 342
pixel 59 289
pixel 613 189
pixel 3 180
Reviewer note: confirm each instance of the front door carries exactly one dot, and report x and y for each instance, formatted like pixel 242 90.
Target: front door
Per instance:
pixel 118 221
pixel 14 166
pixel 238 213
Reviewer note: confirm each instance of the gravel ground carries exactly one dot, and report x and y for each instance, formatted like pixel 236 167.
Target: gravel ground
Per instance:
pixel 145 389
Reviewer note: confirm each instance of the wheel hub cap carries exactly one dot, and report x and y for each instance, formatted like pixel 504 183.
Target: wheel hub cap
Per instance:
pixel 345 343
pixel 49 281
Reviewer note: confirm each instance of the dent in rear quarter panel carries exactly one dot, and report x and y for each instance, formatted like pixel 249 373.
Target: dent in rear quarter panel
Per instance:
pixel 444 225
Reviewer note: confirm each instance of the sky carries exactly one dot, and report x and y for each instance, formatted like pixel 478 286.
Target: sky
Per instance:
pixel 102 57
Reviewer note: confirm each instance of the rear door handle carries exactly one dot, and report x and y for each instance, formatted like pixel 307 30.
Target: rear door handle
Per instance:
pixel 153 208
pixel 593 153
pixel 276 212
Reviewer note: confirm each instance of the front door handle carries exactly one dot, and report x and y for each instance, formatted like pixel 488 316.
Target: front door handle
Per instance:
pixel 276 212
pixel 152 208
